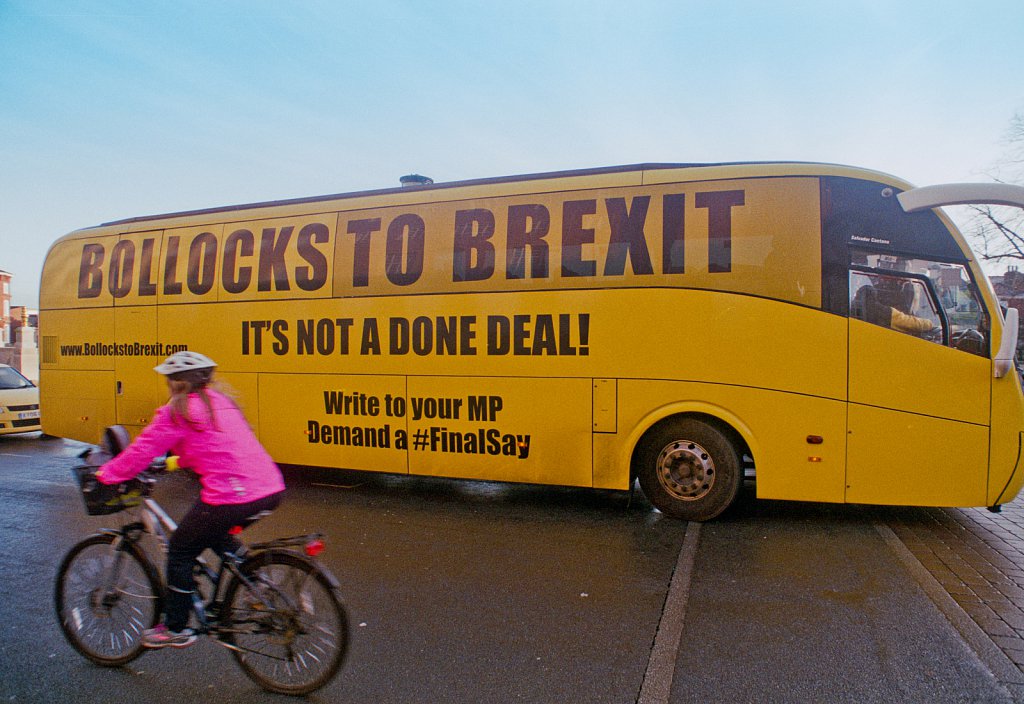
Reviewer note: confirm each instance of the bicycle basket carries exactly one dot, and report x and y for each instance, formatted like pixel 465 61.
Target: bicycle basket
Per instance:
pixel 102 499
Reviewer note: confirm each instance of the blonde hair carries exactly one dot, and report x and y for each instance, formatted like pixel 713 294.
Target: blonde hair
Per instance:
pixel 180 390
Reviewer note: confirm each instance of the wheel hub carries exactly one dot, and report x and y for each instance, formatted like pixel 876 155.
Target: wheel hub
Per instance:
pixel 101 602
pixel 685 470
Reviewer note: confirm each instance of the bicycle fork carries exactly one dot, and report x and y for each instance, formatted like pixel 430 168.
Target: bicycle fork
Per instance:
pixel 109 590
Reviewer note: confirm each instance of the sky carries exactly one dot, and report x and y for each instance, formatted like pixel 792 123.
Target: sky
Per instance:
pixel 112 109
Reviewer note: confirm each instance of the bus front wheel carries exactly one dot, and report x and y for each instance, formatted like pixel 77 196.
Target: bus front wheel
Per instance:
pixel 689 469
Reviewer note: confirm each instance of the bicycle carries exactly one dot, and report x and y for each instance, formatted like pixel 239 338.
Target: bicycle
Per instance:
pixel 276 609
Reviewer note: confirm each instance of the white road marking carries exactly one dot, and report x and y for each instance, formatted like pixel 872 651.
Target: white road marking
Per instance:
pixel 657 684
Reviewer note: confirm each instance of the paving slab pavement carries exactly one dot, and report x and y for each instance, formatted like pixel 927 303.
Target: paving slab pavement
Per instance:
pixel 976 558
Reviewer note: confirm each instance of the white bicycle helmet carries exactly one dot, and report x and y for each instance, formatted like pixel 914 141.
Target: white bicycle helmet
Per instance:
pixel 184 362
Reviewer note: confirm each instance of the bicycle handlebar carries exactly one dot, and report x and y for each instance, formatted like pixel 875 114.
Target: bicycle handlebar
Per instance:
pixel 151 474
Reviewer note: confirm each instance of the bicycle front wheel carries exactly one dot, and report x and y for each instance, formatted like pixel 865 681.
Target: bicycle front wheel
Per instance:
pixel 289 630
pixel 105 598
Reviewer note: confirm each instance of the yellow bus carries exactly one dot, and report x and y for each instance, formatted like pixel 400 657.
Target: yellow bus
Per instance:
pixel 824 328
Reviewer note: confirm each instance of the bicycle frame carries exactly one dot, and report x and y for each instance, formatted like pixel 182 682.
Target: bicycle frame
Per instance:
pixel 155 521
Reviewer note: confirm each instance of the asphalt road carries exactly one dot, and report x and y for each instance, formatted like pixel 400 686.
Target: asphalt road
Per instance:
pixel 475 592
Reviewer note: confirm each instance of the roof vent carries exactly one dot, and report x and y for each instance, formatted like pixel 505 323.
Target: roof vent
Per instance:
pixel 415 180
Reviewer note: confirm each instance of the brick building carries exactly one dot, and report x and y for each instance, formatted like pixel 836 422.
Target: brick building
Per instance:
pixel 5 307
pixel 19 346
pixel 1010 290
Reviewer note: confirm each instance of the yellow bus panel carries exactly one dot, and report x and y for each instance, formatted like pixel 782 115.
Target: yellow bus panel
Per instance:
pixel 897 371
pixel 535 430
pixel 86 400
pixel 915 460
pixel 332 420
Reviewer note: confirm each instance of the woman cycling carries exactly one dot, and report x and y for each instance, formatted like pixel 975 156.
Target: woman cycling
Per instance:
pixel 240 482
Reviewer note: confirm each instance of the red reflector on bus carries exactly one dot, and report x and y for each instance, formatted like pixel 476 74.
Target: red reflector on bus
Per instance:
pixel 815 439
pixel 314 547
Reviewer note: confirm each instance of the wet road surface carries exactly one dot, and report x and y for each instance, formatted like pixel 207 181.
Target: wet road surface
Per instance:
pixel 475 592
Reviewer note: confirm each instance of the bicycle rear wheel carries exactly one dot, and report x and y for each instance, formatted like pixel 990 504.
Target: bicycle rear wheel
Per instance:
pixel 106 598
pixel 289 631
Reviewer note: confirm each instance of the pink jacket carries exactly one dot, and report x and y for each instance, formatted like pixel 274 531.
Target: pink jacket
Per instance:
pixel 233 467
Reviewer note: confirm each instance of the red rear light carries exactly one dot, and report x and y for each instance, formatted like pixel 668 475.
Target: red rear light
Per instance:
pixel 314 547
pixel 235 530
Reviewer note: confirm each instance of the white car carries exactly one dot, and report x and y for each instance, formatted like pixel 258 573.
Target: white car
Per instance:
pixel 19 402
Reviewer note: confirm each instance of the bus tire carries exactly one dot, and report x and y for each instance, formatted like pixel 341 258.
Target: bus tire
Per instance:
pixel 689 469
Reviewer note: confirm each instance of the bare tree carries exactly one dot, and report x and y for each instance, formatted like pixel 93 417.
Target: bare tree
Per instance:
pixel 1000 230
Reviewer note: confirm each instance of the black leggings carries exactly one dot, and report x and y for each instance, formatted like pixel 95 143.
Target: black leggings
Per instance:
pixel 204 526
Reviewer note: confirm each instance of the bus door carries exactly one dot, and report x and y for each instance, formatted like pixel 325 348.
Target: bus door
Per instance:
pixel 919 384
pixel 1006 436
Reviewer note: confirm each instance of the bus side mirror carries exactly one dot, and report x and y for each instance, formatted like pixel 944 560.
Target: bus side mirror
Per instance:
pixel 1008 345
pixel 943 194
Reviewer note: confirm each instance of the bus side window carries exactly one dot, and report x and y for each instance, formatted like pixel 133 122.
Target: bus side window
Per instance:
pixel 894 302
pixel 904 284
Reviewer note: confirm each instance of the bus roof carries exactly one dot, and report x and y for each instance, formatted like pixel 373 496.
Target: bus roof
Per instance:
pixel 816 167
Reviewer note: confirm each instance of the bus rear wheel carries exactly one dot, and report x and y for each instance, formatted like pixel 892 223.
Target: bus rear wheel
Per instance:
pixel 689 469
